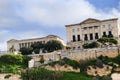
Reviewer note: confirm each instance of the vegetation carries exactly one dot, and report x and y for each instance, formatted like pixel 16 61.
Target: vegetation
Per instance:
pixel 44 47
pixel 53 45
pixel 67 61
pixel 37 47
pixel 43 74
pixel 83 64
pixel 108 40
pixel 26 50
pixel 91 45
pixel 10 63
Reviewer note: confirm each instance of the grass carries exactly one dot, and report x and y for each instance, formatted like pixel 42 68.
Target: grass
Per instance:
pixel 76 76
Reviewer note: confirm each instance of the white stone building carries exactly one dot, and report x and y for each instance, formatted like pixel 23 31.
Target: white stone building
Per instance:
pixel 17 44
pixel 90 30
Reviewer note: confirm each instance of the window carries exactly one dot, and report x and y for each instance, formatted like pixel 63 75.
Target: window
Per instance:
pixel 78 47
pixel 90 27
pixel 110 34
pixel 73 30
pixel 85 37
pixel 103 26
pixel 25 44
pixel 78 29
pixel 104 34
pixel 91 36
pixel 109 26
pixel 20 45
pixel 96 27
pixel 78 36
pixel 96 36
pixel 74 39
pixel 85 28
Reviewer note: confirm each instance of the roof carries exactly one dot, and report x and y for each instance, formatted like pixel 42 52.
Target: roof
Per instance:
pixel 49 36
pixel 12 40
pixel 91 20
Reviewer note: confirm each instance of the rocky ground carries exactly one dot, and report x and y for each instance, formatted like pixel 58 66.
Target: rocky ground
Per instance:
pixel 12 77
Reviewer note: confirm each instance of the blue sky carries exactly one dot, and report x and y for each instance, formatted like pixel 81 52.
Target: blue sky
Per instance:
pixel 22 19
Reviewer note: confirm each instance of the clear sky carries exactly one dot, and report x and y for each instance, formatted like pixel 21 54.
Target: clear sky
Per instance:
pixel 22 19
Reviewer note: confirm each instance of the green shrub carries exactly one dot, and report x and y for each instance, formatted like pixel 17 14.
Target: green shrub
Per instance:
pixel 99 63
pixel 12 59
pixel 85 63
pixel 18 59
pixel 113 41
pixel 41 74
pixel 91 45
pixel 107 39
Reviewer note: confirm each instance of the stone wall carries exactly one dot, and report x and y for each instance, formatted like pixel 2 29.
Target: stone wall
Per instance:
pixel 78 54
pixel 91 53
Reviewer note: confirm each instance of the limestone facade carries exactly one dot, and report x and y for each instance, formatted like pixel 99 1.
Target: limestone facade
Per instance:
pixel 17 44
pixel 90 30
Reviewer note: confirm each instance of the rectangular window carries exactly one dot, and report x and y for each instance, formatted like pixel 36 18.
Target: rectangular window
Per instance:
pixel 91 36
pixel 20 46
pixel 96 36
pixel 96 27
pixel 104 33
pixel 103 26
pixel 85 28
pixel 85 37
pixel 74 39
pixel 78 36
pixel 78 29
pixel 110 32
pixel 90 27
pixel 73 30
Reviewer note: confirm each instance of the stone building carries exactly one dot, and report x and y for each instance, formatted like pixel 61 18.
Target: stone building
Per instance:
pixel 17 44
pixel 90 30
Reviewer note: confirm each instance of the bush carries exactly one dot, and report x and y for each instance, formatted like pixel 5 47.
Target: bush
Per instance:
pixel 18 59
pixel 113 41
pixel 106 39
pixel 67 61
pixel 11 59
pixel 99 63
pixel 85 63
pixel 107 78
pixel 91 45
pixel 41 74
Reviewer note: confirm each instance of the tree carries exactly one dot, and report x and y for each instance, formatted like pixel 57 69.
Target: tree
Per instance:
pixel 37 46
pixel 26 50
pixel 53 45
